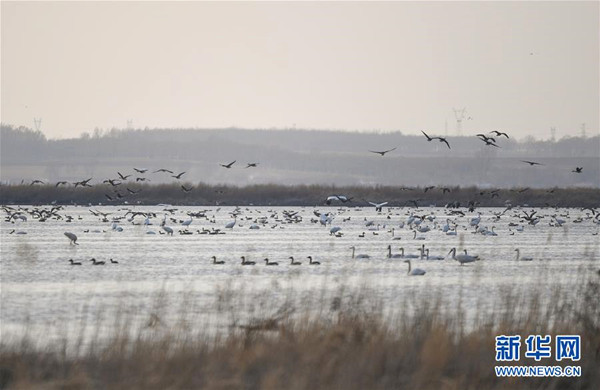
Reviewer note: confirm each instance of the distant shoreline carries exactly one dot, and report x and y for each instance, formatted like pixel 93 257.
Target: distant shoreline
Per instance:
pixel 200 194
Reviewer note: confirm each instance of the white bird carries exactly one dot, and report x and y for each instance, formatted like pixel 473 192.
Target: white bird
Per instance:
pixel 393 256
pixel 378 206
pixel 188 222
pixel 475 221
pixel 359 256
pixel 231 224
pixel 409 256
pixel 168 230
pixel 522 258
pixel 414 272
pixel 433 257
pixel 417 238
pixel 334 230
pixel 462 259
pixel 72 237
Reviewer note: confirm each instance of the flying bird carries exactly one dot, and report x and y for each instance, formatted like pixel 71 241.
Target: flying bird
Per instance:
pixel 577 170
pixel 123 177
pixel 60 183
pixel 378 206
pixel 186 189
pixel 428 137
pixel 36 182
pixel 163 170
pixel 140 170
pixel 443 140
pixel 251 165
pixel 531 163
pixel 499 133
pixel 178 176
pixel 383 152
pixel 228 165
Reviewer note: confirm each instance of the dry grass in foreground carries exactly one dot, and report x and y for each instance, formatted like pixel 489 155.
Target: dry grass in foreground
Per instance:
pixel 352 347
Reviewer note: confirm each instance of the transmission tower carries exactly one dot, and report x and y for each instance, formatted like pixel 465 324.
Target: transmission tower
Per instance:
pixel 37 122
pixel 459 114
pixel 553 134
pixel 583 134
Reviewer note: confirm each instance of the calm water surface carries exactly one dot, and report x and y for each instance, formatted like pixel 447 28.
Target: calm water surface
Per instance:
pixel 40 290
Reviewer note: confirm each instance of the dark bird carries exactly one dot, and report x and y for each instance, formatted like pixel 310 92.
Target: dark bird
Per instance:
pixel 163 170
pixel 141 179
pixel 294 262
pixel 214 260
pixel 499 133
pixel 382 153
pixel 123 177
pixel 244 262
pixel 490 143
pixel 485 138
pixel 178 176
pixel 186 189
pixel 132 191
pixel 429 188
pixel 108 197
pixel 113 183
pixel 83 183
pixel 60 183
pixel 577 170
pixel 97 262
pixel 443 140
pixel 74 262
pixel 140 170
pixel 228 165
pixel 114 261
pixel 428 137
pixel 267 262
pixel 251 165
pixel 445 189
pixel 532 163
pixel 36 182
pixel 311 262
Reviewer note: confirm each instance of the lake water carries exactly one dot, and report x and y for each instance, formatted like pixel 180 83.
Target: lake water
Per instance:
pixel 40 290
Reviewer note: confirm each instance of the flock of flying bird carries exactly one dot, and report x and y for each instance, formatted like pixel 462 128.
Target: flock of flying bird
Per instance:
pixel 489 140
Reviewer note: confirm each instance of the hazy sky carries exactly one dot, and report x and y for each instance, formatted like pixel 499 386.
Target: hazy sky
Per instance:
pixel 356 66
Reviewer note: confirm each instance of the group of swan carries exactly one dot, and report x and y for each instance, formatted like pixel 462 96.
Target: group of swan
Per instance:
pixel 266 260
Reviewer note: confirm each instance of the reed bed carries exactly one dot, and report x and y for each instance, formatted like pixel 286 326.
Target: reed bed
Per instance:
pixel 340 339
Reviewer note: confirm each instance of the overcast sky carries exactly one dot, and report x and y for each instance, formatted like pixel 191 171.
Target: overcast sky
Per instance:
pixel 516 66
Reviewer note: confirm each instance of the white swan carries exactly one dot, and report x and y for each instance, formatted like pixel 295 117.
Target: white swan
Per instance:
pixel 393 256
pixel 522 258
pixel 231 224
pixel 414 272
pixel 462 259
pixel 417 238
pixel 433 257
pixel 409 256
pixel 360 256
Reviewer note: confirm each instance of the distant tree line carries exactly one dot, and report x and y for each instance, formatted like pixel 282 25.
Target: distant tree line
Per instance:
pixel 201 194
